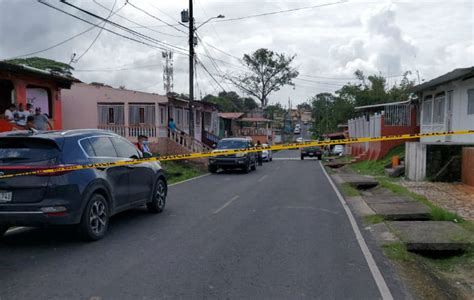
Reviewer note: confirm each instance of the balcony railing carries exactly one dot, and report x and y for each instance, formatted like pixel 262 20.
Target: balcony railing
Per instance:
pixel 253 132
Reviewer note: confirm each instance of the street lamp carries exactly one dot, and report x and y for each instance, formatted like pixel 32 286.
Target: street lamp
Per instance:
pixel 218 17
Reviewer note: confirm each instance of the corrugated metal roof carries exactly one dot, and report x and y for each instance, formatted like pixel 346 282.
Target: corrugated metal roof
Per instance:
pixel 230 115
pixel 381 105
pixel 456 74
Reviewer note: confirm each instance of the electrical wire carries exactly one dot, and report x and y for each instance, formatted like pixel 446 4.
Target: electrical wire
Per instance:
pixel 207 71
pixel 133 32
pixel 98 34
pixel 138 24
pixel 154 17
pixel 281 11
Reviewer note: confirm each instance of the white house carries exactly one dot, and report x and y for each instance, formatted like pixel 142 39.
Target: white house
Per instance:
pixel 446 104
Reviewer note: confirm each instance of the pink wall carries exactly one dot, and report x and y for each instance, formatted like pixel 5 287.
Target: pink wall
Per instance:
pixel 79 104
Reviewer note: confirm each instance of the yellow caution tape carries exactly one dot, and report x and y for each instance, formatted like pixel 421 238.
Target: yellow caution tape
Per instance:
pixel 235 151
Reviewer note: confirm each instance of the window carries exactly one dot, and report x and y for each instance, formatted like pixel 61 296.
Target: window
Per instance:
pixel 470 102
pixel 103 147
pixel 438 108
pixel 162 115
pixel 125 149
pixel 87 146
pixel 110 114
pixel 178 113
pixel 427 110
pixel 141 114
pixel 40 97
pixel 198 118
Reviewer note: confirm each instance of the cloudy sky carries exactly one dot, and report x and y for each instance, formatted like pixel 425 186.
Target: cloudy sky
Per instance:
pixel 427 38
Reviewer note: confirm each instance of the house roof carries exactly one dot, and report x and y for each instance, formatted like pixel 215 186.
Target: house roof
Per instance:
pixel 62 80
pixel 255 119
pixel 230 115
pixel 456 74
pixel 381 105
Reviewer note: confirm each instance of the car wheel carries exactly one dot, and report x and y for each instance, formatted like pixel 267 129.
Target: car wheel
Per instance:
pixel 95 219
pixel 158 202
pixel 212 169
pixel 3 229
pixel 302 157
pixel 247 167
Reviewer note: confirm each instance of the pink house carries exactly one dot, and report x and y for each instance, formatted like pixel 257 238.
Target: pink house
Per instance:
pixel 132 113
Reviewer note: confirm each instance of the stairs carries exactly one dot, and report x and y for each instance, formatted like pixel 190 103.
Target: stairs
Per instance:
pixel 187 142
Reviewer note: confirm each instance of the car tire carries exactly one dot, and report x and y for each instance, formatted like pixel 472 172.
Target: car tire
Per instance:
pixel 247 167
pixel 212 169
pixel 302 157
pixel 3 229
pixel 158 202
pixel 95 218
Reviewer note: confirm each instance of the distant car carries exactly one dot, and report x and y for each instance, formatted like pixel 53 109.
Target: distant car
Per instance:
pixel 299 140
pixel 338 149
pixel 311 152
pixel 267 155
pixel 85 198
pixel 305 122
pixel 245 161
pixel 297 130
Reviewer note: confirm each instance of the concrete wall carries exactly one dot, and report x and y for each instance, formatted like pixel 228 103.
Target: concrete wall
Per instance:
pixel 415 161
pixel 468 166
pixel 460 119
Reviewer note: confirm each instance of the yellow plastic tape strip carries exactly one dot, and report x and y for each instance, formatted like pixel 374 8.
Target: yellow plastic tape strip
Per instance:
pixel 234 151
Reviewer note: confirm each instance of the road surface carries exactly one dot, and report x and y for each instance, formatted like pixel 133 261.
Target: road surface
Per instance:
pixel 280 232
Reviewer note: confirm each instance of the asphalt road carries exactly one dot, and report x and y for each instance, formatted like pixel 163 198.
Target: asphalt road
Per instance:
pixel 279 233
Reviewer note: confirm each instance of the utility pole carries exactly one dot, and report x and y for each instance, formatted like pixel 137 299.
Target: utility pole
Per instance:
pixel 191 69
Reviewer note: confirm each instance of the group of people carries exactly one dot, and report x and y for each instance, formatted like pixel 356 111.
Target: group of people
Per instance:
pixel 28 118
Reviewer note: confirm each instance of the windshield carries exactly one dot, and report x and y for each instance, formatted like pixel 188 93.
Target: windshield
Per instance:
pixel 232 144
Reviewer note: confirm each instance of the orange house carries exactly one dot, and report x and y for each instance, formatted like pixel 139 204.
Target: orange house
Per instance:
pixel 21 84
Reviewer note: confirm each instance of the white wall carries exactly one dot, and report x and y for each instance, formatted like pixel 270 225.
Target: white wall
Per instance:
pixel 460 119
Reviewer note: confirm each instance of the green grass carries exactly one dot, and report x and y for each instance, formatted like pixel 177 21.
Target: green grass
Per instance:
pixel 437 213
pixel 373 219
pixel 349 191
pixel 177 171
pixel 376 167
pixel 397 251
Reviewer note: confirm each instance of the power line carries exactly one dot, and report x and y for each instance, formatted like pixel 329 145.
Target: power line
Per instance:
pixel 106 29
pixel 280 11
pixel 207 71
pixel 138 24
pixel 154 17
pixel 133 32
pixel 98 34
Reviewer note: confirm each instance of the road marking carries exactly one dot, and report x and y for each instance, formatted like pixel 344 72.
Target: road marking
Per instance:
pixel 263 178
pixel 376 274
pixel 226 204
pixel 176 183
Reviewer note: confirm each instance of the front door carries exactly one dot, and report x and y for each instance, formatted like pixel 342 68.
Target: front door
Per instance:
pixel 449 113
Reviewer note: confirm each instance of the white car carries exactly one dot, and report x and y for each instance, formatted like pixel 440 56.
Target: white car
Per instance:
pixel 299 140
pixel 267 155
pixel 338 149
pixel 297 130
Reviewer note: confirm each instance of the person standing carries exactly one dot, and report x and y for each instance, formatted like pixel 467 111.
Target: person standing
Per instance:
pixel 260 158
pixel 21 115
pixel 10 113
pixel 40 121
pixel 29 108
pixel 172 125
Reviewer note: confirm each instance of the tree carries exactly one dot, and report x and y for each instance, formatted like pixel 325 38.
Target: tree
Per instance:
pixel 272 110
pixel 268 72
pixel 44 64
pixel 231 102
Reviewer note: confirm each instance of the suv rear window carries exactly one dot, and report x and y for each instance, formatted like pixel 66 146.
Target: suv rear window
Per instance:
pixel 27 150
pixel 232 144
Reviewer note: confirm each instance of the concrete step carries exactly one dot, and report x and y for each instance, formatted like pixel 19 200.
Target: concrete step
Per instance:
pixel 402 210
pixel 386 199
pixel 431 236
pixel 395 172
pixel 335 164
pixel 359 182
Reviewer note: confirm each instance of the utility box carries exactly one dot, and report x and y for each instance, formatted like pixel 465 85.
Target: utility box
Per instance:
pixel 468 166
pixel 185 16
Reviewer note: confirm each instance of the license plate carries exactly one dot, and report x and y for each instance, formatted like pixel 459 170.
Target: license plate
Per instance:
pixel 6 196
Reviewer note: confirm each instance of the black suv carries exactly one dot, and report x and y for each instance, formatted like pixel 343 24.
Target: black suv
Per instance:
pixel 312 152
pixel 85 197
pixel 244 161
